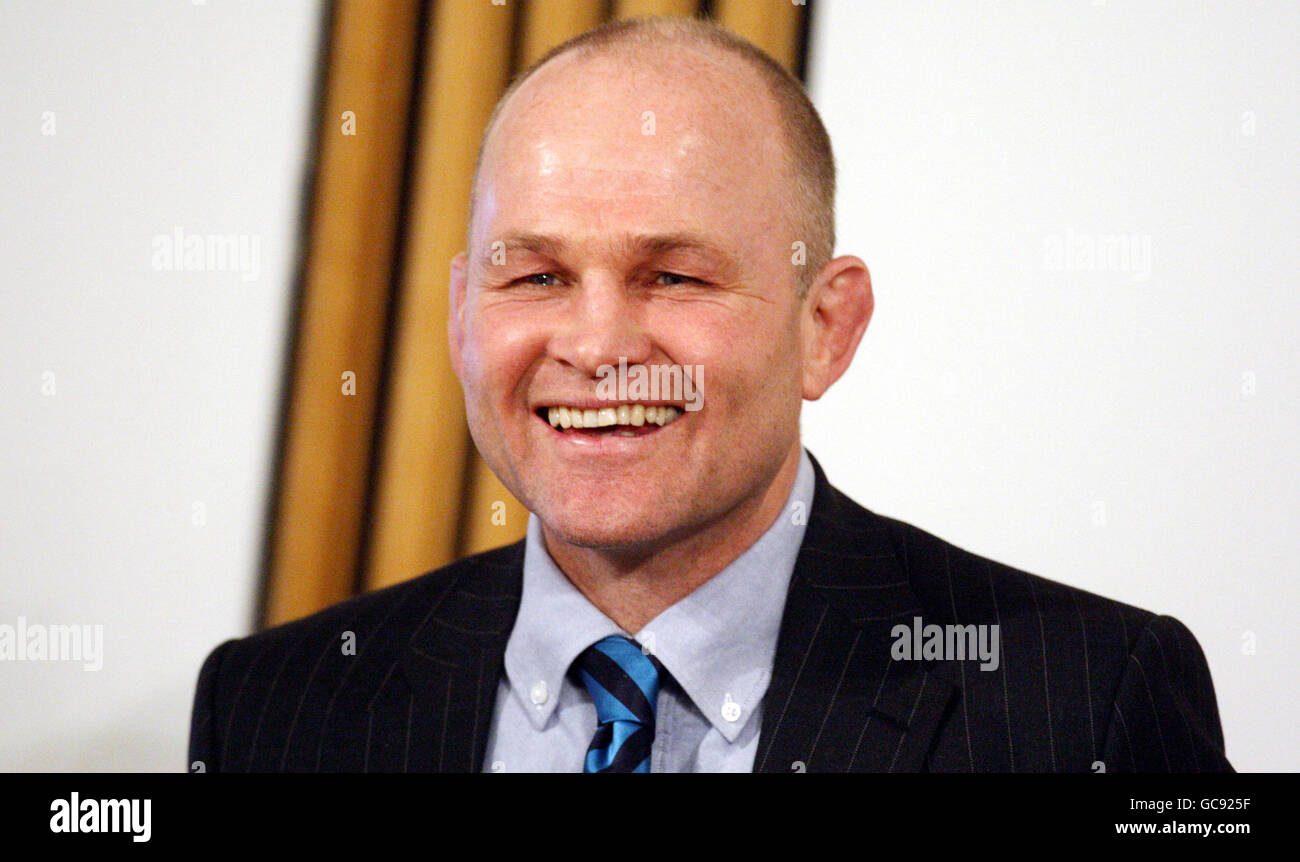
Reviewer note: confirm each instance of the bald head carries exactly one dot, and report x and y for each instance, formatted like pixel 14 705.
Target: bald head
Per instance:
pixel 705 101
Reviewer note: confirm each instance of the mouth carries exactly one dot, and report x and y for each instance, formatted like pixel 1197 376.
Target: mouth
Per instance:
pixel 623 420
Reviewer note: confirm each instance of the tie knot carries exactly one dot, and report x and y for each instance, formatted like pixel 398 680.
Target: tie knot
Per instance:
pixel 622 680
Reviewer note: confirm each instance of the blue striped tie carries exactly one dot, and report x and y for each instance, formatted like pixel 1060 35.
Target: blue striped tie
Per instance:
pixel 624 683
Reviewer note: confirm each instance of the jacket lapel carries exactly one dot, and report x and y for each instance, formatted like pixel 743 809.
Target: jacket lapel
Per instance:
pixel 453 663
pixel 837 701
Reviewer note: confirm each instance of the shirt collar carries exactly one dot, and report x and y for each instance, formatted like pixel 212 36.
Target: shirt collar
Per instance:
pixel 718 642
pixel 554 625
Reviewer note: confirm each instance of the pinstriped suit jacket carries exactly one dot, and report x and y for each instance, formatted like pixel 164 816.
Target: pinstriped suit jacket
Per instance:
pixel 1081 679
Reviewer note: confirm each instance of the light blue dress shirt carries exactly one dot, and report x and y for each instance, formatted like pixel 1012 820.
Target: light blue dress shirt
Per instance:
pixel 718 643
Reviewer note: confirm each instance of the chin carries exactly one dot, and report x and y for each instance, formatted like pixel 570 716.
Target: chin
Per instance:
pixel 600 526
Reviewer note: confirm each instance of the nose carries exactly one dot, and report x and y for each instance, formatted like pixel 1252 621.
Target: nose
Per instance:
pixel 603 322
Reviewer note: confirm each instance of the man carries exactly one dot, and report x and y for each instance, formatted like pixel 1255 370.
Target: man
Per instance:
pixel 658 195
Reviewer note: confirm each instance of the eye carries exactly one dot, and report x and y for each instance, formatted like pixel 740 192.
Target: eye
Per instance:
pixel 672 278
pixel 541 279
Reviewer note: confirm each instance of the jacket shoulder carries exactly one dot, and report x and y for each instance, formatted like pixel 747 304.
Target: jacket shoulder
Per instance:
pixel 406 602
pixel 954 582
pixel 1081 681
pixel 261 697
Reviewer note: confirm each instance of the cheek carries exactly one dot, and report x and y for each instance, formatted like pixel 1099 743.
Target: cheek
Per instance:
pixel 501 345
pixel 745 357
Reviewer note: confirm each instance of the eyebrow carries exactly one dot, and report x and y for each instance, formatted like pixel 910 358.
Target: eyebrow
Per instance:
pixel 641 245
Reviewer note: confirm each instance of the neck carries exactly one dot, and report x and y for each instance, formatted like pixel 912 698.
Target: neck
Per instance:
pixel 634 587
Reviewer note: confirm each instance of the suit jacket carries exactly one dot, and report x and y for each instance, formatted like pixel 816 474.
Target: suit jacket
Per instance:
pixel 1083 683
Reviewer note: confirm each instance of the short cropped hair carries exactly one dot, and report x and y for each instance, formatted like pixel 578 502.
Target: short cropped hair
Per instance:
pixel 808 147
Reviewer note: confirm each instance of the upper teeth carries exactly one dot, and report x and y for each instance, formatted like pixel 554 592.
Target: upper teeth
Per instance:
pixel 623 414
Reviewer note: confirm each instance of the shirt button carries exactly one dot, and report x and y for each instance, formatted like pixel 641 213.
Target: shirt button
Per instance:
pixel 539 693
pixel 730 709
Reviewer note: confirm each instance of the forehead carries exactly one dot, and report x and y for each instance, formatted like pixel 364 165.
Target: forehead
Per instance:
pixel 670 139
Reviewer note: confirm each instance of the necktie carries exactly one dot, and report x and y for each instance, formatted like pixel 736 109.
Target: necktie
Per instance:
pixel 624 683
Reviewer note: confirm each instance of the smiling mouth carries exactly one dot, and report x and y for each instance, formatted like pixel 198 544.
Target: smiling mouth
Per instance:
pixel 625 420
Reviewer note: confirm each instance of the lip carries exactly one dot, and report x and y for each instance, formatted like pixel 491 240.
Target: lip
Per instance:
pixel 588 402
pixel 606 444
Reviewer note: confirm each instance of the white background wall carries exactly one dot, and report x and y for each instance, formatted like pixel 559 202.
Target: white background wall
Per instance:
pixel 1097 427
pixel 166 114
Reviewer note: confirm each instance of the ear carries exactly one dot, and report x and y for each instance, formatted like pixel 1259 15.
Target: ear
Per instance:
pixel 456 311
pixel 835 316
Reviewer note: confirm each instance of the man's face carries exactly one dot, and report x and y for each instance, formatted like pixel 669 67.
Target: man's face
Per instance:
pixel 639 212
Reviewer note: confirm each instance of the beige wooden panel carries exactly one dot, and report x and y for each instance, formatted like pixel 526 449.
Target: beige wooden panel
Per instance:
pixel 323 471
pixel 772 25
pixel 425 448
pixel 547 23
pixel 637 8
